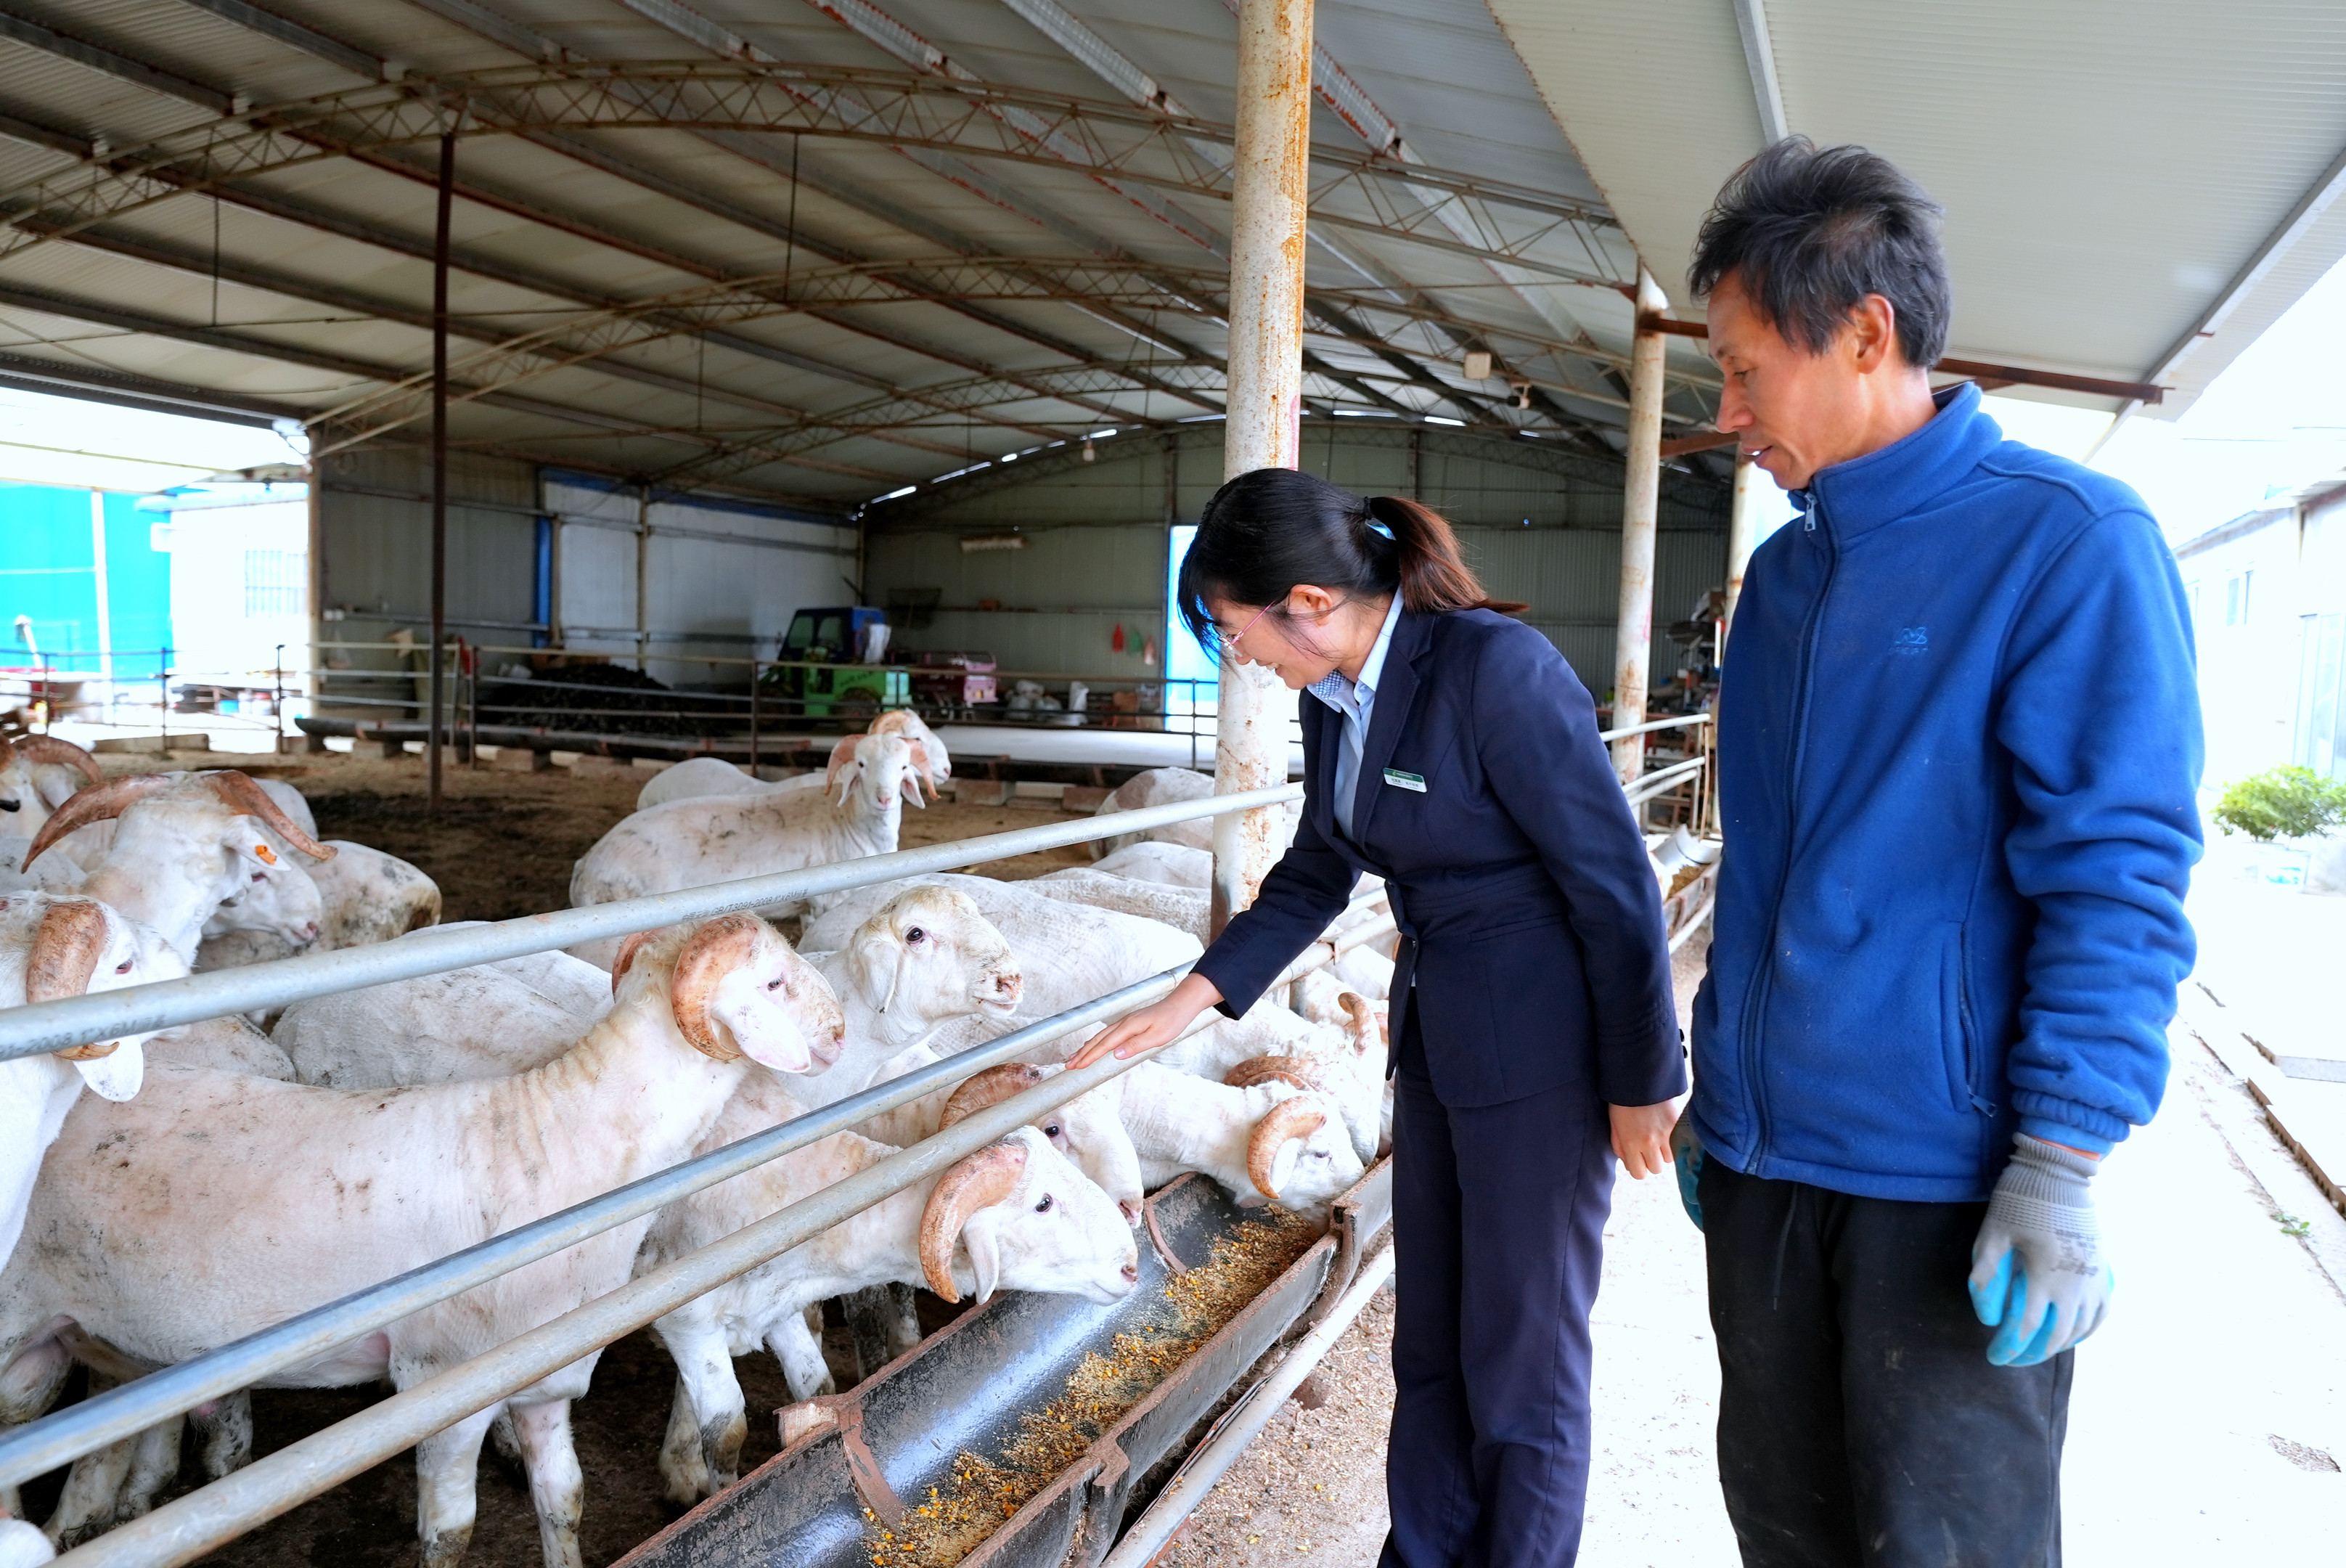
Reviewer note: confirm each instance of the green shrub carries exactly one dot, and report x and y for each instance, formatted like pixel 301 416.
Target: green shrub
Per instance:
pixel 2286 803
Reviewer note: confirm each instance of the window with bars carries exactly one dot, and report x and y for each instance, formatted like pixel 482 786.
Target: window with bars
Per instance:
pixel 273 581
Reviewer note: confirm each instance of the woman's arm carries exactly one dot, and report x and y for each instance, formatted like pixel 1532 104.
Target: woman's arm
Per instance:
pixel 1535 737
pixel 1158 1023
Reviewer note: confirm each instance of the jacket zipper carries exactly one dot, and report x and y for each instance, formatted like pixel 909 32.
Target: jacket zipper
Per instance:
pixel 1764 981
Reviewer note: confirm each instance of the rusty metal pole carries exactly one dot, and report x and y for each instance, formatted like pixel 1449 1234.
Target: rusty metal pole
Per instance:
pixel 1267 210
pixel 1742 533
pixel 434 732
pixel 1641 493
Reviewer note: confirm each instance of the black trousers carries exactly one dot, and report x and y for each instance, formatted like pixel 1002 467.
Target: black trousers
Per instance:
pixel 1499 1230
pixel 1859 1422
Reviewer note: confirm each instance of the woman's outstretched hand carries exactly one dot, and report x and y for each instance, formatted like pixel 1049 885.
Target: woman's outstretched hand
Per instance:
pixel 1158 1023
pixel 1641 1135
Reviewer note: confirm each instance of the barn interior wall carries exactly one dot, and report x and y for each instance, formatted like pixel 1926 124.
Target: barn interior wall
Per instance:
pixel 1096 543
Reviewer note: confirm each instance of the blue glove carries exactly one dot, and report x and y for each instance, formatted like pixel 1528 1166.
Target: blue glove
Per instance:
pixel 2037 1275
pixel 1686 1156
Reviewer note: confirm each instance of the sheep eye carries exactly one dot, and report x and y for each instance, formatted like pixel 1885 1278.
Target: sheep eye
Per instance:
pixel 1053 1131
pixel 916 934
pixel 122 968
pixel 257 877
pixel 11 805
pixel 774 984
pixel 1044 1206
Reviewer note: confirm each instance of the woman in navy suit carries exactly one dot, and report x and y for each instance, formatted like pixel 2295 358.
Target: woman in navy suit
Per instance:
pixel 1451 751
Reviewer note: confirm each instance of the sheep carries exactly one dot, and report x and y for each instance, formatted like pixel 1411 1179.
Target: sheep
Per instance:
pixel 702 775
pixel 1349 1061
pixel 50 948
pixel 922 959
pixel 1183 909
pixel 200 1167
pixel 1070 955
pixel 694 842
pixel 364 896
pixel 1086 1129
pixel 185 845
pixel 1177 865
pixel 1014 1216
pixel 38 773
pixel 1164 786
pixel 1266 1140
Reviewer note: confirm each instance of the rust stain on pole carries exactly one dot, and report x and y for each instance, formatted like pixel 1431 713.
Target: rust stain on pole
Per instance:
pixel 1641 493
pixel 1271 189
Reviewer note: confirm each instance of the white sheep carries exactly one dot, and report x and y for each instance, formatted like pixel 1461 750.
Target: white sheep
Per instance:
pixel 364 896
pixel 38 773
pixel 1347 1063
pixel 1087 1129
pixel 1015 1215
pixel 388 1181
pixel 1175 865
pixel 697 777
pixel 1266 1140
pixel 1183 909
pixel 184 845
pixel 692 843
pixel 52 948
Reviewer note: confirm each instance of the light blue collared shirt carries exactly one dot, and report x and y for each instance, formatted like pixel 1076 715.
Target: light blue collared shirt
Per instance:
pixel 1356 701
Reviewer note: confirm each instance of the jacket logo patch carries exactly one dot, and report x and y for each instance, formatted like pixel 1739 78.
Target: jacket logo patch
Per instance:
pixel 1911 640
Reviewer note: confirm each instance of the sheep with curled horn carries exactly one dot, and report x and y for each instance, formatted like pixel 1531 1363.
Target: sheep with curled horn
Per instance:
pixel 38 773
pixel 186 844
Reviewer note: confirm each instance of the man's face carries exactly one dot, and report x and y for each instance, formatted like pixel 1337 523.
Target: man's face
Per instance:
pixel 1795 412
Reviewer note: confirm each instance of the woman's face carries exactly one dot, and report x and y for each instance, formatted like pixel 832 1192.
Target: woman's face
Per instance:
pixel 1285 638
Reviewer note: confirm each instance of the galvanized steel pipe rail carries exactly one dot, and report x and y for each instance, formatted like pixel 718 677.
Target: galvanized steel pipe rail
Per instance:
pixel 108 1015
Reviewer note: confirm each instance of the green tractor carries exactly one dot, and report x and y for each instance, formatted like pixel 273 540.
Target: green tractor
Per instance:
pixel 831 668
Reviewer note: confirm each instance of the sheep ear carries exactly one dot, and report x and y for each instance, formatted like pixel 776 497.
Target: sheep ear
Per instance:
pixel 875 961
pixel 843 752
pixel 1282 1164
pixel 910 787
pixel 984 1253
pixel 116 1075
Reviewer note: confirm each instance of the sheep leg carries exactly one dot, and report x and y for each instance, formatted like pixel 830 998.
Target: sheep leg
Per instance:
pixel 93 1487
pixel 557 1488
pixel 867 1314
pixel 154 1465
pixel 504 1444
pixel 704 1364
pixel 445 1502
pixel 224 1433
pixel 801 1354
pixel 903 1319
pixel 681 1463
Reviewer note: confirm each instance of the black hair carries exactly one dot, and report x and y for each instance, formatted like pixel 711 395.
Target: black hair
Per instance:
pixel 1265 532
pixel 1808 232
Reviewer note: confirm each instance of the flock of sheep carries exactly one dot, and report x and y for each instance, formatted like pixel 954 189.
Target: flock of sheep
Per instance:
pixel 230 1174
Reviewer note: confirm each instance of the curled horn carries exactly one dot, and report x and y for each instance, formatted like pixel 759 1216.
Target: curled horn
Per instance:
pixel 98 803
pixel 1364 1029
pixel 64 955
pixel 1300 1071
pixel 979 1181
pixel 990 1087
pixel 49 749
pixel 629 945
pixel 710 953
pixel 1296 1118
pixel 843 752
pixel 240 795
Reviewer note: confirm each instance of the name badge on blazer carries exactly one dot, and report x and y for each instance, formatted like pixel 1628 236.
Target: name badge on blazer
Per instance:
pixel 1400 779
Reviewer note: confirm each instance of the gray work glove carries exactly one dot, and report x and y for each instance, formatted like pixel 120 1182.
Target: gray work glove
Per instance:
pixel 2037 1275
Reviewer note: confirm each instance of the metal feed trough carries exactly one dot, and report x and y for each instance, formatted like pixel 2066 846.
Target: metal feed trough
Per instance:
pixel 969 1386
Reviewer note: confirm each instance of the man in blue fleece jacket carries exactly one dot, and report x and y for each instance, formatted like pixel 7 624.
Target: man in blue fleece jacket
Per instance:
pixel 1959 747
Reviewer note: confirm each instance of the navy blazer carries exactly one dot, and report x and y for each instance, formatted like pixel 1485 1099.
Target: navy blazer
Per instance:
pixel 1530 917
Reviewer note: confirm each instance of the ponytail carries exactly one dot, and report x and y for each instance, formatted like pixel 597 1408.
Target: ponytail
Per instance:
pixel 1265 532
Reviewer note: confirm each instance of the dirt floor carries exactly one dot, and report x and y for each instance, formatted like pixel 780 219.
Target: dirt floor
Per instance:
pixel 502 847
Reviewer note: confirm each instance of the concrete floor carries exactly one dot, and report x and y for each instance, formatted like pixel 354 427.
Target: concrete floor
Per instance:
pixel 2208 1421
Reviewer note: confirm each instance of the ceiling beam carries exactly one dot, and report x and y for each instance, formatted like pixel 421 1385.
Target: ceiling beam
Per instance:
pixel 1759 59
pixel 33 35
pixel 309 40
pixel 121 387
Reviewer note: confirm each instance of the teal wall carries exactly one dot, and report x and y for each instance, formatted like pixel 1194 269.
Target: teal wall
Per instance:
pixel 47 571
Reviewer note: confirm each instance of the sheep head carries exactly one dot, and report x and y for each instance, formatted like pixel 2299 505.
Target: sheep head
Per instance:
pixel 1300 1071
pixel 1089 1129
pixel 1029 1221
pixel 1280 1139
pixel 737 990
pixel 879 765
pixel 19 754
pixel 77 945
pixel 929 753
pixel 928 955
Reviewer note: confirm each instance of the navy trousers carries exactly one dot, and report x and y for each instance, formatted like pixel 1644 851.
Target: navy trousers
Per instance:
pixel 1499 1227
pixel 1859 1422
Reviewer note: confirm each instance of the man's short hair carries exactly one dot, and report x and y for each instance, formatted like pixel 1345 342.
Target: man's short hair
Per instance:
pixel 1810 232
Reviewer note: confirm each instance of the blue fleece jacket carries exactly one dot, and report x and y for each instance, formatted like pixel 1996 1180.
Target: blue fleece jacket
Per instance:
pixel 1959 751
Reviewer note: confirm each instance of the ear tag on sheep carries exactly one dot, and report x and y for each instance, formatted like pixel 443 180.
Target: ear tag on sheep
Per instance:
pixel 1401 780
pixel 268 856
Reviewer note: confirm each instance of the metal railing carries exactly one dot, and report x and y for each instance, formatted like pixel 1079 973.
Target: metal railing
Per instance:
pixel 192 1525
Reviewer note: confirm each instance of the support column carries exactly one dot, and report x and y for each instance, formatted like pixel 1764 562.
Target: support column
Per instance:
pixel 435 730
pixel 104 596
pixel 1263 430
pixel 1742 533
pixel 1641 494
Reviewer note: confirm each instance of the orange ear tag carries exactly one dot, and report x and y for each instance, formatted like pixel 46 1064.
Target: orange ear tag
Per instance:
pixel 268 856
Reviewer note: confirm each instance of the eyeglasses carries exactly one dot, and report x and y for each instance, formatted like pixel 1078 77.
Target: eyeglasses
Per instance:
pixel 1232 638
